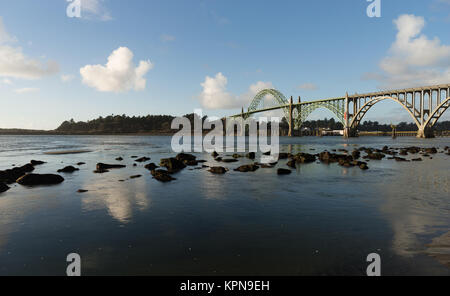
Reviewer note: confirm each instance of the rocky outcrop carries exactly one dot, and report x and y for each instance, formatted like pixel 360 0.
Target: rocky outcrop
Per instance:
pixel 185 157
pixel 3 187
pixel 103 166
pixel 11 175
pixel 151 166
pixel 162 176
pixel 304 158
pixel 284 172
pixel 214 154
pixel 292 164
pixel 68 169
pixel 218 170
pixel 142 159
pixel 36 162
pixel 37 179
pixel 251 155
pixel 230 160
pixel 172 165
pixel 247 168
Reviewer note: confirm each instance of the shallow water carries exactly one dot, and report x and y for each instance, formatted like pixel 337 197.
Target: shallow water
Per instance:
pixel 321 220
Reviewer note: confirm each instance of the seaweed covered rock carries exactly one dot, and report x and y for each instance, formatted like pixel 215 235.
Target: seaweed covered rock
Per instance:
pixel 247 168
pixel 172 165
pixel 162 176
pixel 218 170
pixel 151 166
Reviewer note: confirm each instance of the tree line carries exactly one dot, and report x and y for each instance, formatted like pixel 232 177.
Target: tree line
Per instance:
pixel 122 124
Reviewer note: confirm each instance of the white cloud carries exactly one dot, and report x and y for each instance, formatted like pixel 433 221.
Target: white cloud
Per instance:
pixel 26 90
pixel 413 58
pixel 167 38
pixel 307 86
pixel 216 96
pixel 13 63
pixel 94 9
pixel 119 74
pixel 67 78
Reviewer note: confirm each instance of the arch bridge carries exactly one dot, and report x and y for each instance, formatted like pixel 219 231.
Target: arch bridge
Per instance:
pixel 425 105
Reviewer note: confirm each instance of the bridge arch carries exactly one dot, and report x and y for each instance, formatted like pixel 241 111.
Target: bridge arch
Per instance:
pixel 357 118
pixel 279 98
pixel 310 108
pixel 437 113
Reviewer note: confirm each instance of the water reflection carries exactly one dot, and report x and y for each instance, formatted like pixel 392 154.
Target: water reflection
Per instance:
pixel 120 199
pixel 416 204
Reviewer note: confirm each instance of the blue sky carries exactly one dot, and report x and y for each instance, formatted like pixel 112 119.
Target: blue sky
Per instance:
pixel 210 54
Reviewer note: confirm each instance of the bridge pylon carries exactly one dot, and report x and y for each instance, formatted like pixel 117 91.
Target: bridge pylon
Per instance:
pixel 291 121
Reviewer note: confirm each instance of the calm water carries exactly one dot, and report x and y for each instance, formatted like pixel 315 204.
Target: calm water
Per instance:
pixel 321 220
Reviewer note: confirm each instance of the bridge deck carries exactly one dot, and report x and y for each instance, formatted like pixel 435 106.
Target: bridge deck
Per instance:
pixel 354 96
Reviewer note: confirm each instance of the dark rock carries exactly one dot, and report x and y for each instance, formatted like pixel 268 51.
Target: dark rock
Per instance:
pixel 417 159
pixel 172 165
pixel 400 159
pixel 376 156
pixel 68 169
pixel 219 159
pixel 102 171
pixel 142 159
pixel 3 187
pixel 431 150
pixel 185 157
pixel 80 163
pixel 237 155
pixel 403 152
pixel 36 162
pixel 151 166
pixel 135 165
pixel 103 166
pixel 82 191
pixel 37 179
pixel 119 158
pixel 134 156
pixel 283 172
pixel 135 176
pixel 283 156
pixel 162 176
pixel 363 166
pixel 214 154
pixel 292 164
pixel 356 154
pixel 230 160
pixel 247 168
pixel 11 175
pixel 191 162
pixel 251 155
pixel 267 153
pixel 304 158
pixel 218 170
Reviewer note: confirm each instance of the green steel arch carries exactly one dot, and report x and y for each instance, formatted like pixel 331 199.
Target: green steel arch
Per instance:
pixel 337 107
pixel 279 97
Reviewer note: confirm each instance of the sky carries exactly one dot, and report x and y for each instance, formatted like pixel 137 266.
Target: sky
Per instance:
pixel 144 57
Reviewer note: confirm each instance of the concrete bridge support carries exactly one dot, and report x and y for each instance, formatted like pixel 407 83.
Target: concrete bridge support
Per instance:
pixel 291 121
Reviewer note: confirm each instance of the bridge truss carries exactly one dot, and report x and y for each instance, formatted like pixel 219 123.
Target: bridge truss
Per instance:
pixel 424 104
